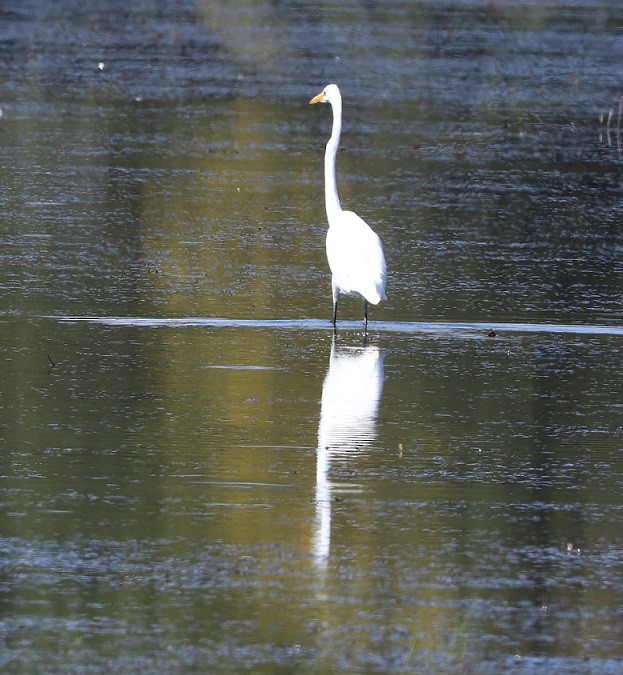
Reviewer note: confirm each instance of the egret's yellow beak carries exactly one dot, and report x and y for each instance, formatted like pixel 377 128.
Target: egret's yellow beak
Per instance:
pixel 319 98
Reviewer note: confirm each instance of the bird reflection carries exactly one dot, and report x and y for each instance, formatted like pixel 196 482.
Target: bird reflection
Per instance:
pixel 350 400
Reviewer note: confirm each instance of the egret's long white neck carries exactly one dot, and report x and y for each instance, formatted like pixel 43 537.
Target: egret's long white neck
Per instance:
pixel 332 201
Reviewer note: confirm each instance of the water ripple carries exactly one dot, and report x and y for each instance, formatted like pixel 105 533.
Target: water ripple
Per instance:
pixel 412 327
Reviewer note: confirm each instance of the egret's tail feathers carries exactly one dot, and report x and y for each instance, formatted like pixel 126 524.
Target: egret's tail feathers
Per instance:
pixel 375 297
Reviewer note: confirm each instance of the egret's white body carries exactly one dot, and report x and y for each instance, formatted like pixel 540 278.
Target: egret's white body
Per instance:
pixel 354 250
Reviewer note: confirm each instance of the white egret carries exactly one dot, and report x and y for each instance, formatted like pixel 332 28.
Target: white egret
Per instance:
pixel 354 250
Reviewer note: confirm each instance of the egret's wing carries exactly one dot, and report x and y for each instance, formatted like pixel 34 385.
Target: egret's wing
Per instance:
pixel 356 258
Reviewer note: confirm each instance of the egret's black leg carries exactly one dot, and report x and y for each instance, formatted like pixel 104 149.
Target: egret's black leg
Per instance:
pixel 365 316
pixel 334 322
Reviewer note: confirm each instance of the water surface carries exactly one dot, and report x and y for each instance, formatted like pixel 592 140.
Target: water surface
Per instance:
pixel 194 473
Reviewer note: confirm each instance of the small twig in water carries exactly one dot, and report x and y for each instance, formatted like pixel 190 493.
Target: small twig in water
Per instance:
pixel 52 362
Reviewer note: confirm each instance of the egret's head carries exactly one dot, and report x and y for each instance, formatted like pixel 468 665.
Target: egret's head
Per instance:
pixel 330 94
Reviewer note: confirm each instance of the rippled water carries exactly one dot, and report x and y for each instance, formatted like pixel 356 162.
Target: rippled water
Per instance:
pixel 193 473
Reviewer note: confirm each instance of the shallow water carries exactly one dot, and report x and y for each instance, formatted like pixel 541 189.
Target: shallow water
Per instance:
pixel 194 474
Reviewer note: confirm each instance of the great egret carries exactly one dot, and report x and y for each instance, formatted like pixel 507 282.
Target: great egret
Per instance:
pixel 354 250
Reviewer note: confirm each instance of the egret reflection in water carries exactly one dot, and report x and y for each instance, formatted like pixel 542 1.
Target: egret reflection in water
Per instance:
pixel 350 400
